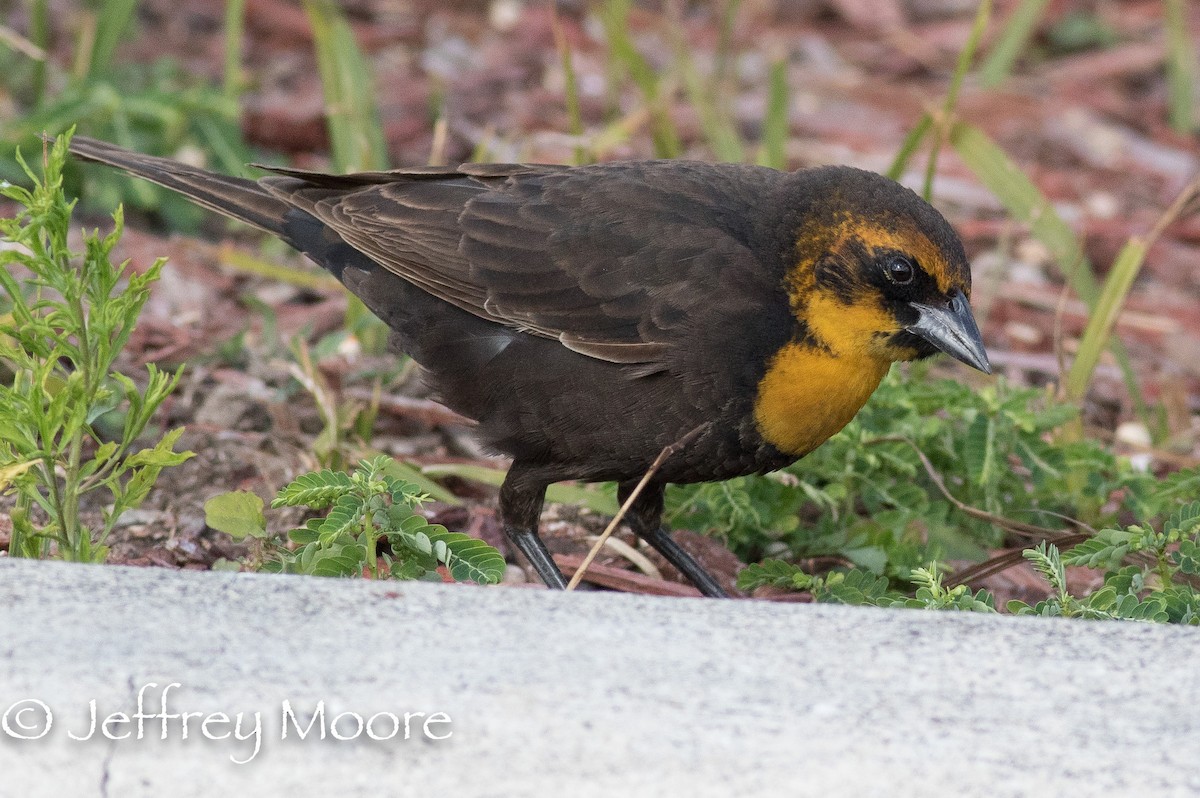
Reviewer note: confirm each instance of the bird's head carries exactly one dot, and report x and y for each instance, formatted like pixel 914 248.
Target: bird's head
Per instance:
pixel 880 273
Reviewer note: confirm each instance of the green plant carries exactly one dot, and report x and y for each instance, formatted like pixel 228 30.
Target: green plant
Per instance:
pixel 1181 68
pixel 1163 556
pixel 60 340
pixel 366 507
pixel 862 588
pixel 1161 588
pixel 1127 594
pixel 932 594
pixel 1014 37
pixel 855 586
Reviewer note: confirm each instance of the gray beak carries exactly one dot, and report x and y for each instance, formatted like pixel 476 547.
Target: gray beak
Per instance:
pixel 953 330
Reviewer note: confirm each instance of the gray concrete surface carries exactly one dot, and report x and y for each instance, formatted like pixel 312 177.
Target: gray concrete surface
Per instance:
pixel 577 695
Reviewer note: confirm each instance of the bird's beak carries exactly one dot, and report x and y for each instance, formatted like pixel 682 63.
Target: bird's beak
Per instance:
pixel 953 330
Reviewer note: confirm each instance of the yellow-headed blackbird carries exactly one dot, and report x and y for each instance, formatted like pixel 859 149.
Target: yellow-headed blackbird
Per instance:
pixel 589 317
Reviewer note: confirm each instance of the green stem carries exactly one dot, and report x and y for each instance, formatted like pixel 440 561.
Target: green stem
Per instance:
pixel 39 34
pixel 372 549
pixel 79 548
pixel 235 19
pixel 21 544
pixel 942 129
pixel 1166 571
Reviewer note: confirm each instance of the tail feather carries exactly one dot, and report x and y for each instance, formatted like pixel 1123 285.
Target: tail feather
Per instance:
pixel 235 197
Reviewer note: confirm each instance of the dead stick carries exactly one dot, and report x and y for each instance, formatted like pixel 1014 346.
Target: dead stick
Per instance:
pixel 1008 524
pixel 612 525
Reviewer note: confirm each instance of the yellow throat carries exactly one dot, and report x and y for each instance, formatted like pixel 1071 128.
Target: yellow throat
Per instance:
pixel 809 394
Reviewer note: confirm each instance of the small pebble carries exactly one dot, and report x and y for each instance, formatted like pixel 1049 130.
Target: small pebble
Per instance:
pixel 504 14
pixel 1135 435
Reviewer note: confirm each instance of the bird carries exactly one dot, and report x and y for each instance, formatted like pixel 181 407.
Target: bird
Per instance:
pixel 590 317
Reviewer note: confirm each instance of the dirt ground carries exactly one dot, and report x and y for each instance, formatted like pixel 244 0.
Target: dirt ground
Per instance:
pixel 1087 125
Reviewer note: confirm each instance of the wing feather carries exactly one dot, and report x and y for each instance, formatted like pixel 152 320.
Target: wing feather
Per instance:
pixel 614 261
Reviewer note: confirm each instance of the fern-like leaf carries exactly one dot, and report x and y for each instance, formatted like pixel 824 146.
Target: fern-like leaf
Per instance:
pixel 1187 557
pixel 316 490
pixel 345 515
pixel 1105 550
pixel 469 559
pixel 855 587
pixel 1184 522
pixel 775 573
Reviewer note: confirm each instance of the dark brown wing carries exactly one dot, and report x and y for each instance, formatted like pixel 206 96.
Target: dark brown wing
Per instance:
pixel 612 260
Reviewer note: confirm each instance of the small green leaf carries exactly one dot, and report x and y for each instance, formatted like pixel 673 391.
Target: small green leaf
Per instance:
pixel 468 558
pixel 10 472
pixel 308 533
pixel 1184 522
pixel 162 455
pixel 345 516
pixel 238 513
pixel 1187 557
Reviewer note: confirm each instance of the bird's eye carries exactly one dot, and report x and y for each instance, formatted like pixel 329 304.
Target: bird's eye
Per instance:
pixel 899 270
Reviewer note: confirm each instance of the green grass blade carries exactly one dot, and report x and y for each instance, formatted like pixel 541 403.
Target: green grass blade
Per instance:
pixel 1112 296
pixel 235 23
pixel 982 14
pixel 1013 41
pixel 112 20
pixel 354 127
pixel 355 130
pixel 776 124
pixel 1181 68
pixel 911 142
pixel 243 263
pixel 615 17
pixel 223 142
pixel 1104 317
pixel 708 94
pixel 39 34
pixel 1026 203
pixel 719 131
pixel 723 58
pixel 574 114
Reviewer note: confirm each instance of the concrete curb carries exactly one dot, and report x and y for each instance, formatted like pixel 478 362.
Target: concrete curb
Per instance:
pixel 590 694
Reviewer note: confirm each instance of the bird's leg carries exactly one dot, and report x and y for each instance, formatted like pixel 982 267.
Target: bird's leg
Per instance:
pixel 645 518
pixel 521 498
